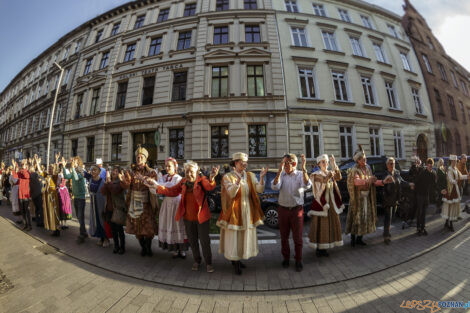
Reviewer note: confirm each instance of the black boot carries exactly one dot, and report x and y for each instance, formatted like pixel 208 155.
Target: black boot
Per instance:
pixel 122 243
pixel 353 240
pixel 359 241
pixel 236 267
pixel 143 252
pixel 148 244
pixel 446 225
pixel 116 243
pixel 451 226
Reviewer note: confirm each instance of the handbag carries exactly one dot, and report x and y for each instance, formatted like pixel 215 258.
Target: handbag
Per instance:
pixel 119 217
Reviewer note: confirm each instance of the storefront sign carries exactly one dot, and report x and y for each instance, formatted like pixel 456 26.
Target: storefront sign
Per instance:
pixel 153 70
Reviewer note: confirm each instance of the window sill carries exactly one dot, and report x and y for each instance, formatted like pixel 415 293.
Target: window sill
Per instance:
pixel 421 115
pixel 385 64
pixel 131 62
pixel 395 110
pixel 345 103
pixel 302 48
pixel 360 57
pixel 410 72
pixel 311 100
pixel 210 46
pixel 371 106
pixel 334 52
pixel 150 57
pixel 263 44
pixel 175 52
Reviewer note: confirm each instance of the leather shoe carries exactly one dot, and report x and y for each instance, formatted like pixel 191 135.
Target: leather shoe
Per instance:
pixel 285 263
pixel 298 266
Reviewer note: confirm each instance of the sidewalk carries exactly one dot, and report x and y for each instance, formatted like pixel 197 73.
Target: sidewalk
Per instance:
pixel 263 272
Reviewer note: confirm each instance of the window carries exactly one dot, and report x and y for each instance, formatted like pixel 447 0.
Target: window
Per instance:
pixel 219 81
pixel 177 143
pixel 417 101
pixel 48 118
pixel 220 35
pixel 453 112
pixel 368 90
pixel 346 140
pixel 104 60
pixel 163 15
pixel 90 149
pixel 344 15
pixel 340 86
pixel 139 22
pixel 116 147
pixel 86 70
pixel 307 83
pixel 440 108
pixel 219 141
pixel 430 44
pixel 121 95
pixel 398 141
pixel 78 106
pixel 41 121
pixel 255 80
pixel 462 110
pixel 374 137
pixel 74 145
pixel 147 90
pixel 454 79
pixel 179 86
pixel 250 4
pixel 38 91
pixel 442 71
pixel 391 94
pixel 98 35
pixel 130 50
pixel 366 22
pixel 115 29
pixel 252 33
pixel 312 141
pixel 257 140
pixel 155 45
pixel 67 76
pixel 464 87
pixel 189 9
pixel 319 9
pixel 95 103
pixel 184 40
pixel 66 54
pixel 356 46
pixel 405 61
pixel 329 41
pixel 291 6
pixel 222 5
pixel 77 47
pixel 298 36
pixel 33 124
pixel 58 115
pixel 393 31
pixel 427 64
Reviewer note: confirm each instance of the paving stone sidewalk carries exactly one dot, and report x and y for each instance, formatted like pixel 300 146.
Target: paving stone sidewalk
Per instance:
pixel 263 272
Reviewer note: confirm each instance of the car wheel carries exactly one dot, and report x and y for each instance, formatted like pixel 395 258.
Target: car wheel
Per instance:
pixel 272 217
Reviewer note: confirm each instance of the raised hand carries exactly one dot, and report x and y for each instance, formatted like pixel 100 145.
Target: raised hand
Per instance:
pixel 108 177
pixel 263 172
pixel 303 162
pixel 281 166
pixel 214 172
pixel 333 160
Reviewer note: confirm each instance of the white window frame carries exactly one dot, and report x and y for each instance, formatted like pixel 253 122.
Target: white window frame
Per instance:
pixel 393 31
pixel 379 137
pixel 426 63
pixel 292 4
pixel 454 80
pixel 313 76
pixel 367 24
pixel 58 114
pixel 330 36
pixel 320 8
pixel 298 32
pixel 443 72
pixel 406 61
pixel 464 87
pixel 356 46
pixel 370 90
pixel 395 95
pixel 344 15
pixel 349 154
pixel 417 100
pixel 399 144
pixel 311 134
pixel 379 52
pixel 336 73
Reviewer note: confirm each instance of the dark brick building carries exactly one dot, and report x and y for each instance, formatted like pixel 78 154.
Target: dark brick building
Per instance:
pixel 447 83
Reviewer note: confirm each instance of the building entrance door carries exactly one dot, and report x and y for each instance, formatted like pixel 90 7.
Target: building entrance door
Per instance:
pixel 146 140
pixel 422 147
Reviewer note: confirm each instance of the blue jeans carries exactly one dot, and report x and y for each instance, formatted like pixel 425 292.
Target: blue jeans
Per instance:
pixel 79 205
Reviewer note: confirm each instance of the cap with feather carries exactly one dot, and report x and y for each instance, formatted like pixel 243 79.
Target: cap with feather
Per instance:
pixel 359 154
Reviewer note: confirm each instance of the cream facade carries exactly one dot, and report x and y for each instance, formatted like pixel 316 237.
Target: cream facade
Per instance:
pixel 351 78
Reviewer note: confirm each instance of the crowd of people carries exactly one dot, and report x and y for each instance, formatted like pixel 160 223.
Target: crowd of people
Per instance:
pixel 127 201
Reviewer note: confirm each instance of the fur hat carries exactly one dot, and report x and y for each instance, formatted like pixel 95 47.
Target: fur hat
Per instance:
pixel 239 156
pixel 359 154
pixel 322 157
pixel 99 161
pixel 452 157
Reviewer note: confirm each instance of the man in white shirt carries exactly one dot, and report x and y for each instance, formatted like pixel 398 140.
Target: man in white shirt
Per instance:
pixel 291 184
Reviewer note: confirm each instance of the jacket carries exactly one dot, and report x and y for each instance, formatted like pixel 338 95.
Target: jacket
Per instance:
pixel 23 185
pixel 78 183
pixel 392 191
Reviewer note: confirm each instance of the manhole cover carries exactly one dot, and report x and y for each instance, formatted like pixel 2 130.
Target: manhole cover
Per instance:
pixel 46 249
pixel 5 284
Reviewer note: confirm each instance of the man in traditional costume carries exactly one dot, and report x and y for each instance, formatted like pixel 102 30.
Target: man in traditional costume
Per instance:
pixel 391 195
pixel 193 208
pixel 291 184
pixel 425 187
pixel 241 212
pixel 325 227
pixel 462 167
pixel 141 220
pixel 362 212
pixel 452 196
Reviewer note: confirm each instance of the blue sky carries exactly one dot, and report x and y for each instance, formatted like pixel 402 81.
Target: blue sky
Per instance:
pixel 37 24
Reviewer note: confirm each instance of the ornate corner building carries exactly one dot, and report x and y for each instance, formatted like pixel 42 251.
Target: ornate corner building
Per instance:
pixel 203 79
pixel 447 85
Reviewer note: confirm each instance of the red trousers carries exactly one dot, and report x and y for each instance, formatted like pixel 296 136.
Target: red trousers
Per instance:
pixel 291 219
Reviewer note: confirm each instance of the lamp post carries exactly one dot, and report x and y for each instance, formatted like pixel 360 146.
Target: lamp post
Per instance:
pixel 51 122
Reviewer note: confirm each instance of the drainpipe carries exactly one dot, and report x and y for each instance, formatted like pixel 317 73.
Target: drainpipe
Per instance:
pixel 283 83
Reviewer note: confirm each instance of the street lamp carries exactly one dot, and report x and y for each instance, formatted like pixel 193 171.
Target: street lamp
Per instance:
pixel 52 113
